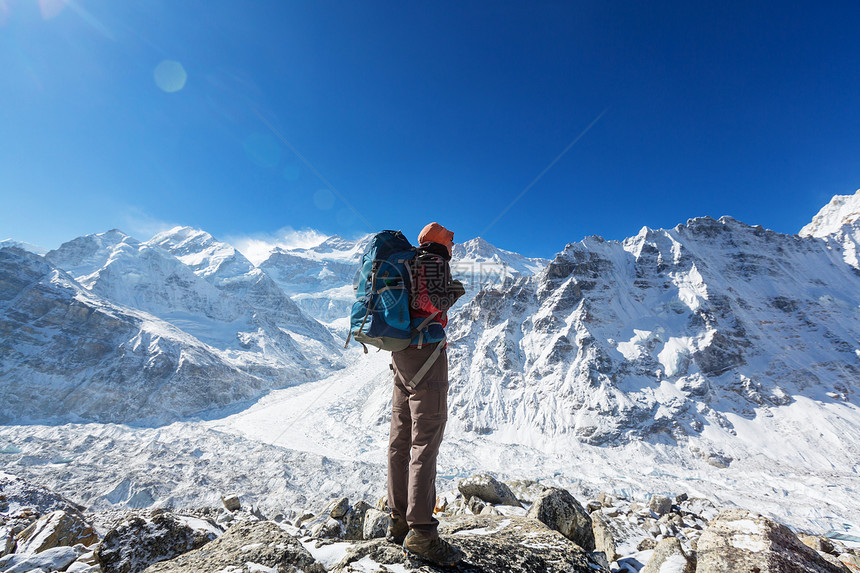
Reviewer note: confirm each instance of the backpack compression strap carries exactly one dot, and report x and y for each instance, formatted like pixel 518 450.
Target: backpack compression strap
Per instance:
pixel 430 361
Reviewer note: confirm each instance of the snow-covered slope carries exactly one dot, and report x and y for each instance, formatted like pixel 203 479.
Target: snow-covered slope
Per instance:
pixel 68 353
pixel 668 334
pixel 838 223
pixel 25 246
pixel 319 279
pixel 185 335
pixel 477 263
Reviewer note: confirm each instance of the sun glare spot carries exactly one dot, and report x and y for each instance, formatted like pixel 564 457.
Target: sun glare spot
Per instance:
pixel 323 199
pixel 51 8
pixel 170 76
pixel 262 149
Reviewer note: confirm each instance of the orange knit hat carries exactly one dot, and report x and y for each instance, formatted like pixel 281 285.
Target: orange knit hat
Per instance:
pixel 436 233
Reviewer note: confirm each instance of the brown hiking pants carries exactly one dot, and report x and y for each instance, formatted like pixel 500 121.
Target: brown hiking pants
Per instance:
pixel 417 423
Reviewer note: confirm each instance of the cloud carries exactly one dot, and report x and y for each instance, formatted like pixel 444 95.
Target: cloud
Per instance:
pixel 257 247
pixel 141 225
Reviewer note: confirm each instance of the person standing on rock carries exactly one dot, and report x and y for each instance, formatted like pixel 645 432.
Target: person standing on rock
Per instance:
pixel 420 409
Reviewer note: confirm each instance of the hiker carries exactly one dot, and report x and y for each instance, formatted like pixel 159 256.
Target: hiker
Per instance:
pixel 419 413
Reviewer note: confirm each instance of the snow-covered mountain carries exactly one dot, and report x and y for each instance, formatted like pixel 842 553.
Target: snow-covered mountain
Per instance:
pixel 319 278
pixel 662 335
pixel 716 356
pixel 838 223
pixel 67 353
pixel 25 246
pixel 186 334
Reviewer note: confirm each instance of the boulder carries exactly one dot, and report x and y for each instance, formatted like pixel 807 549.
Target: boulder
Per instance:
pixel 556 508
pixel 669 556
pixel 339 508
pixel 246 548
pixel 54 559
pixel 57 529
pixel 231 502
pixel 660 504
pixel 329 529
pixel 603 540
pixel 138 542
pixel 375 524
pixel 353 521
pixel 526 490
pixel 490 543
pixel 488 489
pixel 740 540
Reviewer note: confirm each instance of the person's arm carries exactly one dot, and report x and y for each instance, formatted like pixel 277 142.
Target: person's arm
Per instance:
pixel 441 286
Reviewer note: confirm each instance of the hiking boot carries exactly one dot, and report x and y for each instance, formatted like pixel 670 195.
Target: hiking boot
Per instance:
pixel 397 530
pixel 431 548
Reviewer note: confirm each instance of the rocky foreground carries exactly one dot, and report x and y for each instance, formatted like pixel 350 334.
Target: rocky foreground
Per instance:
pixel 518 526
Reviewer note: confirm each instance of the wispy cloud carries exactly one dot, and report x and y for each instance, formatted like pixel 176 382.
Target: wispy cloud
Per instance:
pixel 141 225
pixel 258 246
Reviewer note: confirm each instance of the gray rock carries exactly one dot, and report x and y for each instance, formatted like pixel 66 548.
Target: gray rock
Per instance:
pixel 304 518
pixel 475 505
pixel 137 542
pixel 490 543
pixel 245 548
pixel 54 559
pixel 559 510
pixel 58 528
pixel 353 521
pixel 739 540
pixel 670 556
pixel 488 489
pixel 339 508
pixel 375 524
pixel 328 529
pixel 231 502
pixel 526 490
pixel 603 540
pixel 660 504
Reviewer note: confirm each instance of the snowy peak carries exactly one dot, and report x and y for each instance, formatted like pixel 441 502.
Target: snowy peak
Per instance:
pixel 88 254
pixel 7 243
pixel 207 257
pixel 840 211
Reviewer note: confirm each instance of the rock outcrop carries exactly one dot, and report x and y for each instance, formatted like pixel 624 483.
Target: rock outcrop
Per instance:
pixel 740 540
pixel 490 543
pixel 56 529
pixel 140 540
pixel 669 556
pixel 249 547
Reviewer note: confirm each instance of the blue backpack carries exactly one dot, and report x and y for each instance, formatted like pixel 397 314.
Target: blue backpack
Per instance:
pixel 380 314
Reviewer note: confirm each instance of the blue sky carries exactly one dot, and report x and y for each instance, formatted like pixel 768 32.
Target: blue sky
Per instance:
pixel 145 114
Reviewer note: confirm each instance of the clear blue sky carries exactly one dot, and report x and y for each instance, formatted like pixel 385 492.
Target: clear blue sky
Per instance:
pixel 419 111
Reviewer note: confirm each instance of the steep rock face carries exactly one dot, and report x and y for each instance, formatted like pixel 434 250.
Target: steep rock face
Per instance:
pixel 660 336
pixel 68 353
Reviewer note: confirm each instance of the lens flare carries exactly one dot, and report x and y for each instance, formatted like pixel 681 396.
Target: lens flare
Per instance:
pixel 170 76
pixel 262 149
pixel 51 8
pixel 324 199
